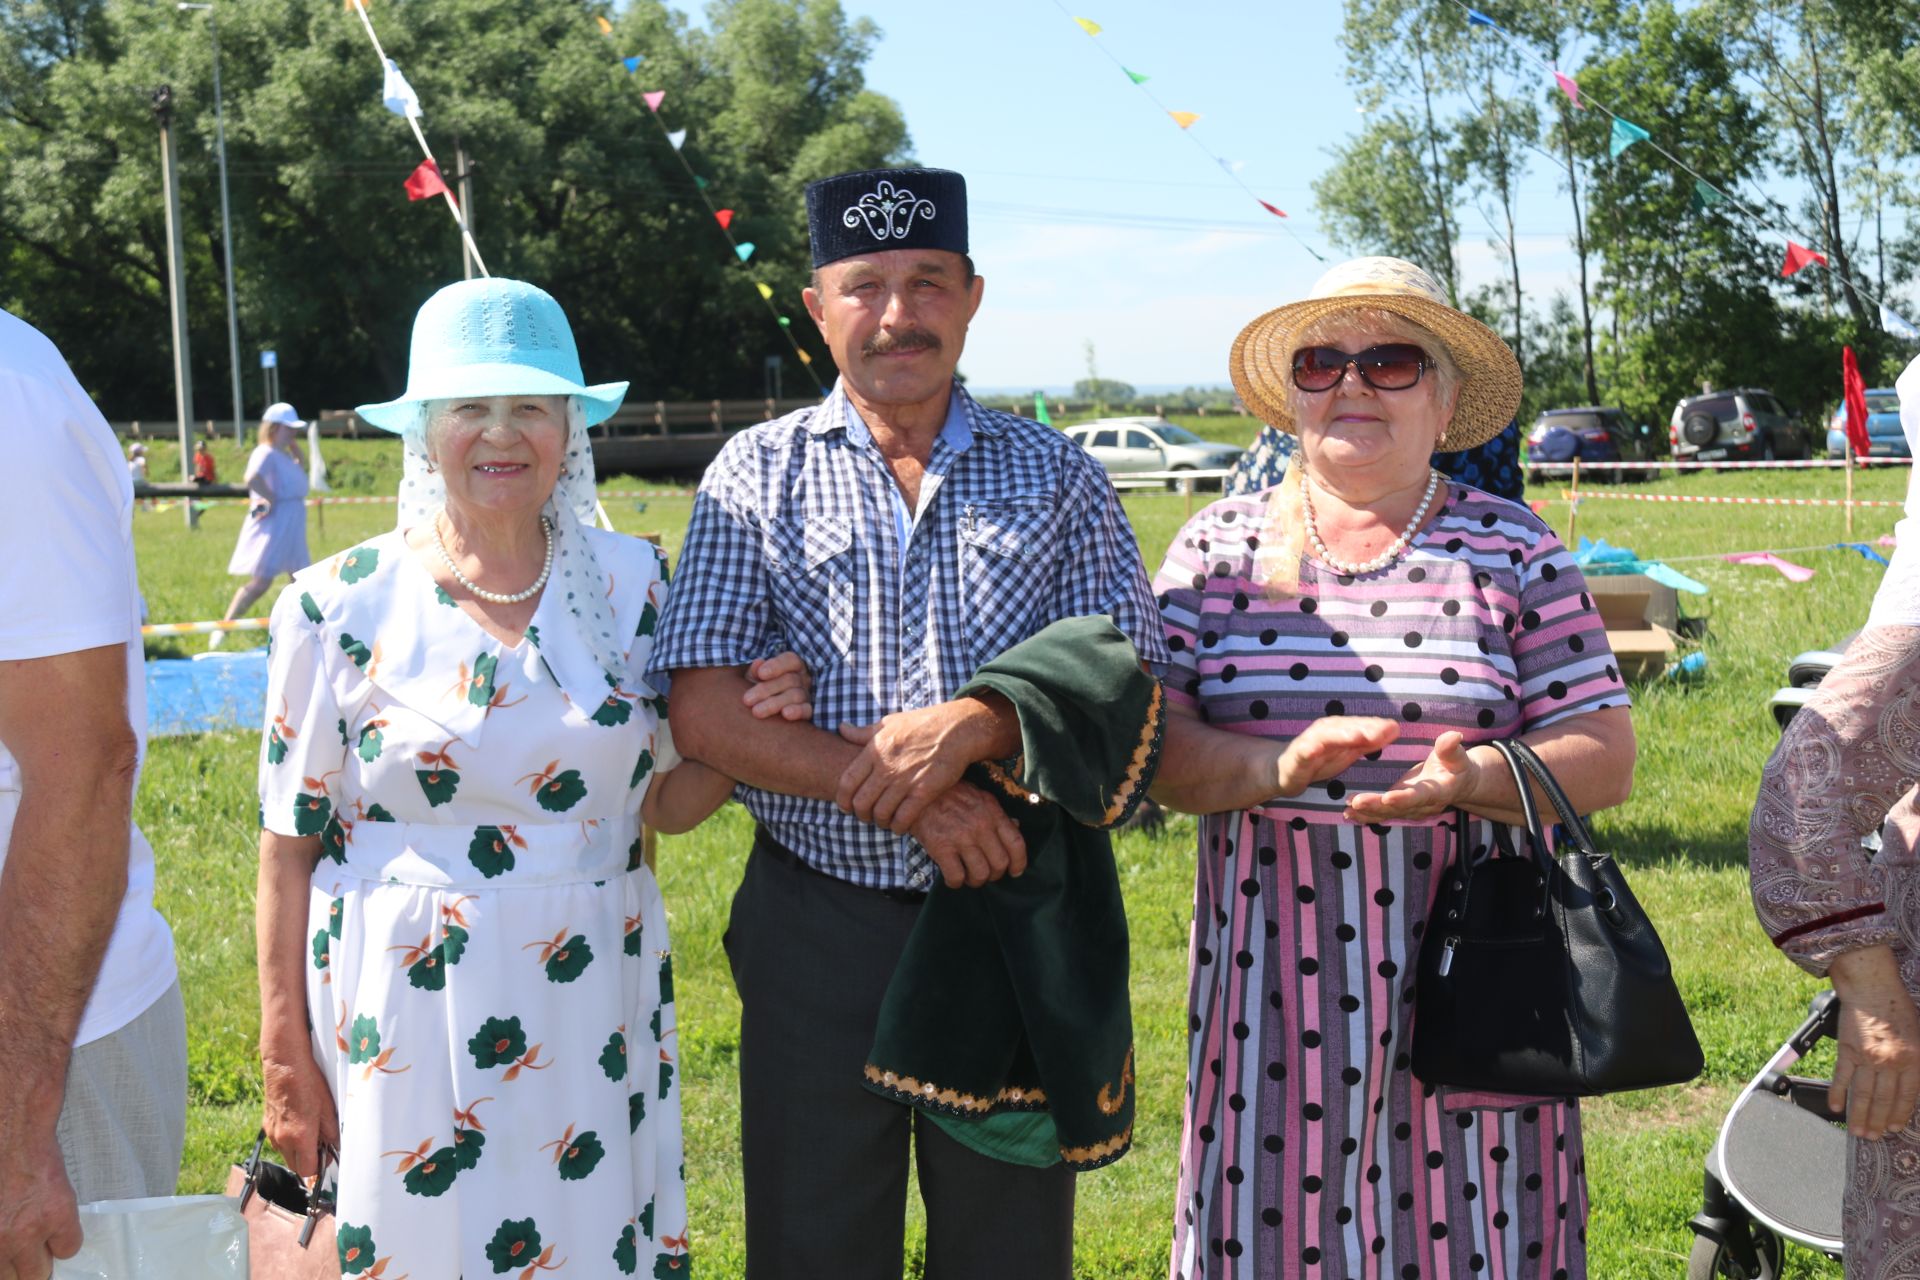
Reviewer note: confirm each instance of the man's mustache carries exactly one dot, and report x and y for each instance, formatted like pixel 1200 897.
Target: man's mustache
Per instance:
pixel 913 340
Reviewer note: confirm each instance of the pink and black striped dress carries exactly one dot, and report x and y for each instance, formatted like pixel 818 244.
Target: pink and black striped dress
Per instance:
pixel 1309 1149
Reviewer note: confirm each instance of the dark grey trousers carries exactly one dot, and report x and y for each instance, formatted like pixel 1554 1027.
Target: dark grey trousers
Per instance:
pixel 825 1161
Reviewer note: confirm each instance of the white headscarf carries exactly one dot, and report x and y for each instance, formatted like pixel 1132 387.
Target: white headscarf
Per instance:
pixel 1897 603
pixel 571 509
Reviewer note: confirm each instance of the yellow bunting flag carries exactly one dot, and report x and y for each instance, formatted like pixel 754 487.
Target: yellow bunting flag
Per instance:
pixel 1184 119
pixel 804 357
pixel 606 28
pixel 1089 26
pixel 766 291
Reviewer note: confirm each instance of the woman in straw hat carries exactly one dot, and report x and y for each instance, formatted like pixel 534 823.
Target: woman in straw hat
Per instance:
pixel 1343 645
pixel 465 977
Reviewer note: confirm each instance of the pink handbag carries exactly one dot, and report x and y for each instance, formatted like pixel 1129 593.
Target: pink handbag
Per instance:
pixel 290 1227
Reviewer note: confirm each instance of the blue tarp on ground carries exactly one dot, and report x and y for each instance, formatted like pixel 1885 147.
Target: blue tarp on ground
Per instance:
pixel 208 692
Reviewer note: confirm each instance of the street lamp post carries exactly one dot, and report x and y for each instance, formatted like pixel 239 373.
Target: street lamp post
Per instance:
pixel 226 221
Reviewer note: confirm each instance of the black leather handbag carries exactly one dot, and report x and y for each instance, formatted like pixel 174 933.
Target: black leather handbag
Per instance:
pixel 1540 974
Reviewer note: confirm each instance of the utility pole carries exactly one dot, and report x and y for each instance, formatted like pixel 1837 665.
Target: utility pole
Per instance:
pixel 176 285
pixel 463 174
pixel 226 221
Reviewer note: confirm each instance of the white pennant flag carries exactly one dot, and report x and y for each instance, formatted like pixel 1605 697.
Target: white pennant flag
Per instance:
pixel 1897 325
pixel 398 94
pixel 677 137
pixel 316 465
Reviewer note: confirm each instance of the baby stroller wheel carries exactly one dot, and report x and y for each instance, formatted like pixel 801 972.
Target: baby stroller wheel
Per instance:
pixel 1712 1260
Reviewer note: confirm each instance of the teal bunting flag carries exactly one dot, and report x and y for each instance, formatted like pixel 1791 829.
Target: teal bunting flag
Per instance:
pixel 1705 197
pixel 633 63
pixel 744 249
pixel 1625 134
pixel 1136 77
pixel 1475 18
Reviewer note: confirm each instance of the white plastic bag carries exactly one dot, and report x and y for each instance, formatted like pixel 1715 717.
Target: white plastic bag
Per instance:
pixel 161 1238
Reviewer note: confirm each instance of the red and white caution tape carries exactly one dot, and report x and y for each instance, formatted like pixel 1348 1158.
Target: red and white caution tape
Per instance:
pixel 1596 495
pixel 202 628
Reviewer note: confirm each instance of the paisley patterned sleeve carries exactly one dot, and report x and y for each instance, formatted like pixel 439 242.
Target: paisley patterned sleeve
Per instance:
pixel 1847 763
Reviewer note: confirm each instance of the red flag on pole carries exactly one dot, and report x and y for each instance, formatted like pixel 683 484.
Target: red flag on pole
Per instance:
pixel 1799 256
pixel 1856 389
pixel 425 182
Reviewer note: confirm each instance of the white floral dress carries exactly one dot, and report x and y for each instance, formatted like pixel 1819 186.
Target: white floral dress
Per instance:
pixel 490 987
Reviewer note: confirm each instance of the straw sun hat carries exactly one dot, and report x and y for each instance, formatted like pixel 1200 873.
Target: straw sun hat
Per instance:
pixel 1261 361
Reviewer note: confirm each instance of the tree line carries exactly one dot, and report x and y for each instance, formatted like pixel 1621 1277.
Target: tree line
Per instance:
pixel 1807 111
pixel 574 184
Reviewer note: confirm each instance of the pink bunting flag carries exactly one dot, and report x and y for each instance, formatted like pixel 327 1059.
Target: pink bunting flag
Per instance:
pixel 725 217
pixel 1793 572
pixel 1799 256
pixel 1570 88
pixel 1278 213
pixel 654 98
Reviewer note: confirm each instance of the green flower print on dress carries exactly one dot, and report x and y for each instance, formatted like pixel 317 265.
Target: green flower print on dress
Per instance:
pixel 566 958
pixel 372 741
pixel 636 1111
pixel 426 1173
pixel 501 1040
pixel 453 929
pixel 426 964
pixel 615 710
pixel 363 1046
pixel 672 1266
pixel 334 910
pixel 666 979
pixel 574 1157
pixel 276 745
pixel 613 1058
pixel 666 1075
pixel 321 950
pixel 491 849
pixel 312 810
pixel 641 768
pixel 517 1244
pixel 334 837
pixel 654 1023
pixel 626 1251
pixel 649 620
pixel 477 686
pixel 378 813
pixel 634 933
pixel 646 1219
pixel 357 564
pixel 356 650
pixel 468 1138
pixel 441 776
pixel 556 791
pixel 637 853
pixel 533 636
pixel 356 1248
pixel 341 729
pixel 308 607
pixel 440 594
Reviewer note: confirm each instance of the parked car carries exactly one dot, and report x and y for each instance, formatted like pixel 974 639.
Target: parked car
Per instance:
pixel 1883 427
pixel 1124 445
pixel 1592 433
pixel 1742 424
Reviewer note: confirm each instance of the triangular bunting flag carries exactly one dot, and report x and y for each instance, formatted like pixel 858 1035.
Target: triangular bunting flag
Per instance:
pixel 1231 166
pixel 724 217
pixel 699 182
pixel 1625 134
pixel 606 28
pixel 1040 413
pixel 677 137
pixel 784 322
pixel 1799 256
pixel 1891 321
pixel 1475 18
pixel 1184 119
pixel 1278 213
pixel 398 95
pixel 744 249
pixel 1089 26
pixel 633 63
pixel 766 290
pixel 425 182
pixel 1136 77
pixel 654 97
pixel 1704 196
pixel 804 357
pixel 1568 87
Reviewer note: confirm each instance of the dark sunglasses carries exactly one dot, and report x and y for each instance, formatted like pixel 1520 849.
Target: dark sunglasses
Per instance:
pixel 1392 366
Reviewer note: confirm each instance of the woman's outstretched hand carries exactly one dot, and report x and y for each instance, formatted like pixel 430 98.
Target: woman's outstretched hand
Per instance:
pixel 782 686
pixel 1327 748
pixel 1440 782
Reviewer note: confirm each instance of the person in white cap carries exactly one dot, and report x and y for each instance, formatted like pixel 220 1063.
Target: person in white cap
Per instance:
pixel 273 538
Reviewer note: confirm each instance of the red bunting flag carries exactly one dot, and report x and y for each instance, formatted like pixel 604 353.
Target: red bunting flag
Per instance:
pixel 425 182
pixel 1799 256
pixel 726 218
pixel 1278 213
pixel 1856 390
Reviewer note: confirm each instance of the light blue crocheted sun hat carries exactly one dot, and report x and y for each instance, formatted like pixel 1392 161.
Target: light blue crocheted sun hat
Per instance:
pixel 492 337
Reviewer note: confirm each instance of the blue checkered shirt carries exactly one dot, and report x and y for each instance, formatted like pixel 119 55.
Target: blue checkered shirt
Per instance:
pixel 794 543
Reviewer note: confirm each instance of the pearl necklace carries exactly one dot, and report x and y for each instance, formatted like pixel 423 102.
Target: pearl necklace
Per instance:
pixel 496 597
pixel 1394 549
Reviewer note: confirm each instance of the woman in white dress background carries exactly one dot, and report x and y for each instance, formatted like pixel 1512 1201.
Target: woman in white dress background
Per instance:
pixel 273 536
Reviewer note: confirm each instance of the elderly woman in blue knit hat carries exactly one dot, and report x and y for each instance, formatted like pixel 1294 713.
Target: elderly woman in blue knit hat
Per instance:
pixel 466 984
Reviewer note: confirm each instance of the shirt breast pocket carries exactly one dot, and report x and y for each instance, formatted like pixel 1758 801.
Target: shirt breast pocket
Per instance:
pixel 1006 553
pixel 811 559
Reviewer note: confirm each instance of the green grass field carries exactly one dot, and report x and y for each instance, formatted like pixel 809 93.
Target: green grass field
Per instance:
pixel 1682 837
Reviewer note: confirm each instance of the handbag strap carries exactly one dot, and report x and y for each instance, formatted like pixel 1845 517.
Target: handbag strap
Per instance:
pixel 1570 819
pixel 1536 833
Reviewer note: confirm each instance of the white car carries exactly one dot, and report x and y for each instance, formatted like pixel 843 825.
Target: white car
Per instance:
pixel 1127 445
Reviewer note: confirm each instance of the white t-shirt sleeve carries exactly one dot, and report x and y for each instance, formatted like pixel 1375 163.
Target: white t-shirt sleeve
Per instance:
pixel 65 500
pixel 1897 603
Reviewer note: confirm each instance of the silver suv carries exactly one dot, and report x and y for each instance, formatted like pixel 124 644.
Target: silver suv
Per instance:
pixel 1744 424
pixel 1122 445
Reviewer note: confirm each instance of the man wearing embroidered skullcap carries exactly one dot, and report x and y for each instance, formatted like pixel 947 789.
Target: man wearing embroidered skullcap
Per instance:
pixel 897 536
